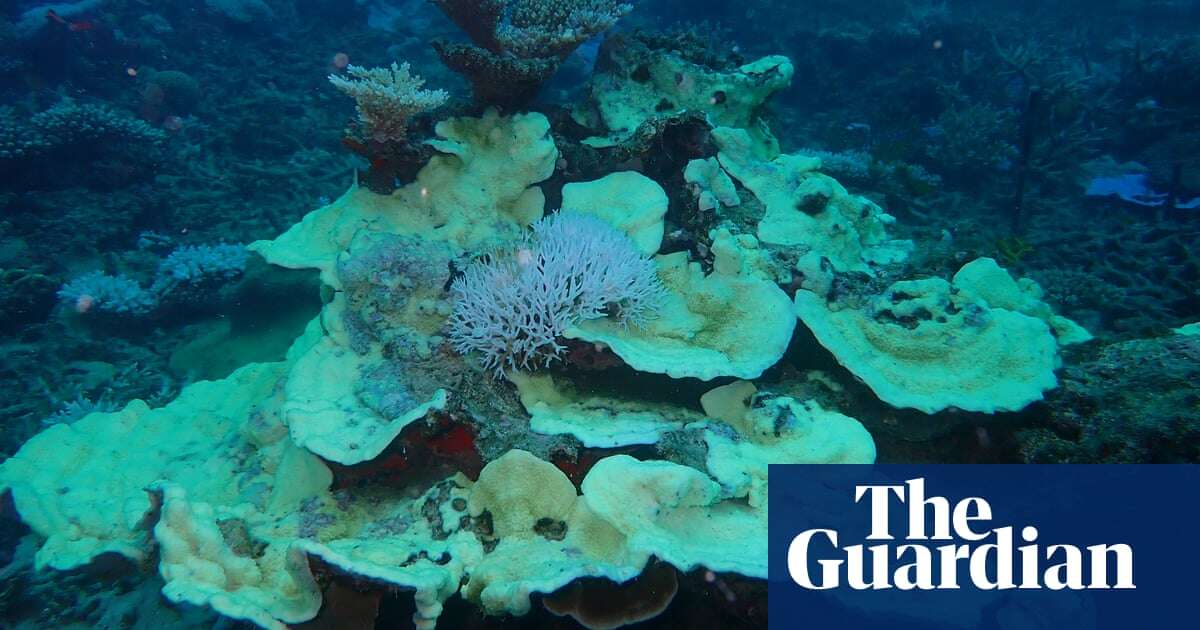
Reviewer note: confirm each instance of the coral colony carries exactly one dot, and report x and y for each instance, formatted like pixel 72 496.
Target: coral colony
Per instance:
pixel 551 351
pixel 511 309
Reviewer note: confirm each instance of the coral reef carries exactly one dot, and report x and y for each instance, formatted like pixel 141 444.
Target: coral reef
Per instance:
pixel 537 359
pixel 639 83
pixel 517 44
pixel 1129 402
pixel 372 372
pixel 190 276
pixel 387 98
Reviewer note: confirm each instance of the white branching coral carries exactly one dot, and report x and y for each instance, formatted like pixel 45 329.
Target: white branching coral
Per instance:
pixel 512 307
pixel 387 98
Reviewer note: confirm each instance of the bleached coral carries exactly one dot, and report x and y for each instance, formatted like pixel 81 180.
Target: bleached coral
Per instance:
pixel 387 98
pixel 78 408
pixel 512 308
pixel 242 11
pixel 710 185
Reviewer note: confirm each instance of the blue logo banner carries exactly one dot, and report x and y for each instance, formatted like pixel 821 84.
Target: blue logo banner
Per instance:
pixel 983 546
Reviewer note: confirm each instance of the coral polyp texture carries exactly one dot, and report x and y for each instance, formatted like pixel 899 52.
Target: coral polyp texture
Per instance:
pixel 107 294
pixel 513 307
pixel 189 275
pixel 387 98
pixel 518 44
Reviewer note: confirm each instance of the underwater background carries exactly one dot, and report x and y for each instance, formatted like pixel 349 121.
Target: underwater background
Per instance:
pixel 894 231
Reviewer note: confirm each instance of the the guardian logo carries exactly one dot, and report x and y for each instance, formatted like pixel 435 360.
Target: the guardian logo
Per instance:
pixel 974 555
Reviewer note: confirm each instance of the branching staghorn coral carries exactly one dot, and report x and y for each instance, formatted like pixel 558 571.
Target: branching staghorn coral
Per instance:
pixel 190 276
pixel 98 292
pixel 387 98
pixel 518 44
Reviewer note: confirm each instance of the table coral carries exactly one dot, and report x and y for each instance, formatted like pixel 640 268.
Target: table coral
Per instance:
pixel 518 44
pixel 926 345
pixel 638 84
pixel 807 210
pixel 596 420
pixel 480 188
pixel 631 202
pixel 732 322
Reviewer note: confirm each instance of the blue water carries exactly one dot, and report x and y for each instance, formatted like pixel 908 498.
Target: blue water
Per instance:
pixel 144 145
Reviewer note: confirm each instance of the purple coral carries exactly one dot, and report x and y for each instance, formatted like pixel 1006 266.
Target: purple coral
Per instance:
pixel 512 307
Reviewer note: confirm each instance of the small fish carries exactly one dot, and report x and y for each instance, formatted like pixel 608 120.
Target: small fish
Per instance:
pixel 73 26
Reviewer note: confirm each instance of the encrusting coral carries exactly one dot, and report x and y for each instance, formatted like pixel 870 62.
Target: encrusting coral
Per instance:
pixel 637 83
